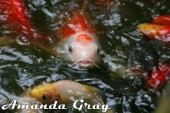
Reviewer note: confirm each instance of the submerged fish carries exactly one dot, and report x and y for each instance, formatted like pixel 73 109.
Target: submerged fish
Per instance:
pixel 66 92
pixel 78 41
pixel 13 14
pixel 159 76
pixel 159 29
pixel 154 31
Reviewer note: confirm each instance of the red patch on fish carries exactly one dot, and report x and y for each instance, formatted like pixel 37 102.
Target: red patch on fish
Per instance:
pixel 165 31
pixel 84 37
pixel 159 76
pixel 13 14
pixel 164 20
pixel 165 34
pixel 77 23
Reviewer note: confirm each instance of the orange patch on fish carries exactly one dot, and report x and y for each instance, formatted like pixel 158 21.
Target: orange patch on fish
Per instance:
pixel 154 31
pixel 150 30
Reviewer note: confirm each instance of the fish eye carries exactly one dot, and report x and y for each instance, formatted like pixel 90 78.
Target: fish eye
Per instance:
pixel 98 50
pixel 70 49
pixel 45 97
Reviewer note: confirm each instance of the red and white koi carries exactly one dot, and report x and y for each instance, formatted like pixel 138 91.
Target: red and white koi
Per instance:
pixel 79 41
pixel 13 14
pixel 159 76
pixel 159 29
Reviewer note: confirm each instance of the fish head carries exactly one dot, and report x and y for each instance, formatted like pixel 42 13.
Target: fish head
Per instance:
pixel 84 50
pixel 45 93
pixel 79 41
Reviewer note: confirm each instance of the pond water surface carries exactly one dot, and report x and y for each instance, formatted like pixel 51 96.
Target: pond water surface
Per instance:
pixel 122 47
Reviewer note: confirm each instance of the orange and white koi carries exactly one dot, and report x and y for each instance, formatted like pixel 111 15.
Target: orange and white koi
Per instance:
pixel 159 29
pixel 154 31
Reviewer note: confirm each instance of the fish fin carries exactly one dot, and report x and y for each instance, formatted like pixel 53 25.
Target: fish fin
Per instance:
pixel 84 7
pixel 50 51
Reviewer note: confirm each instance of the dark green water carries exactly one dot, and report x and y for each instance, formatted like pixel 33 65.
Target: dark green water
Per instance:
pixel 122 47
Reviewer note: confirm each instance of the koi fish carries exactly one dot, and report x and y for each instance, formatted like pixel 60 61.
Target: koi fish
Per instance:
pixel 159 76
pixel 66 92
pixel 13 14
pixel 162 20
pixel 154 31
pixel 79 41
pixel 62 91
pixel 160 30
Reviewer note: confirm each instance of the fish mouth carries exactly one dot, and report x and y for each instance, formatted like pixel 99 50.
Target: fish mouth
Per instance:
pixel 85 63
